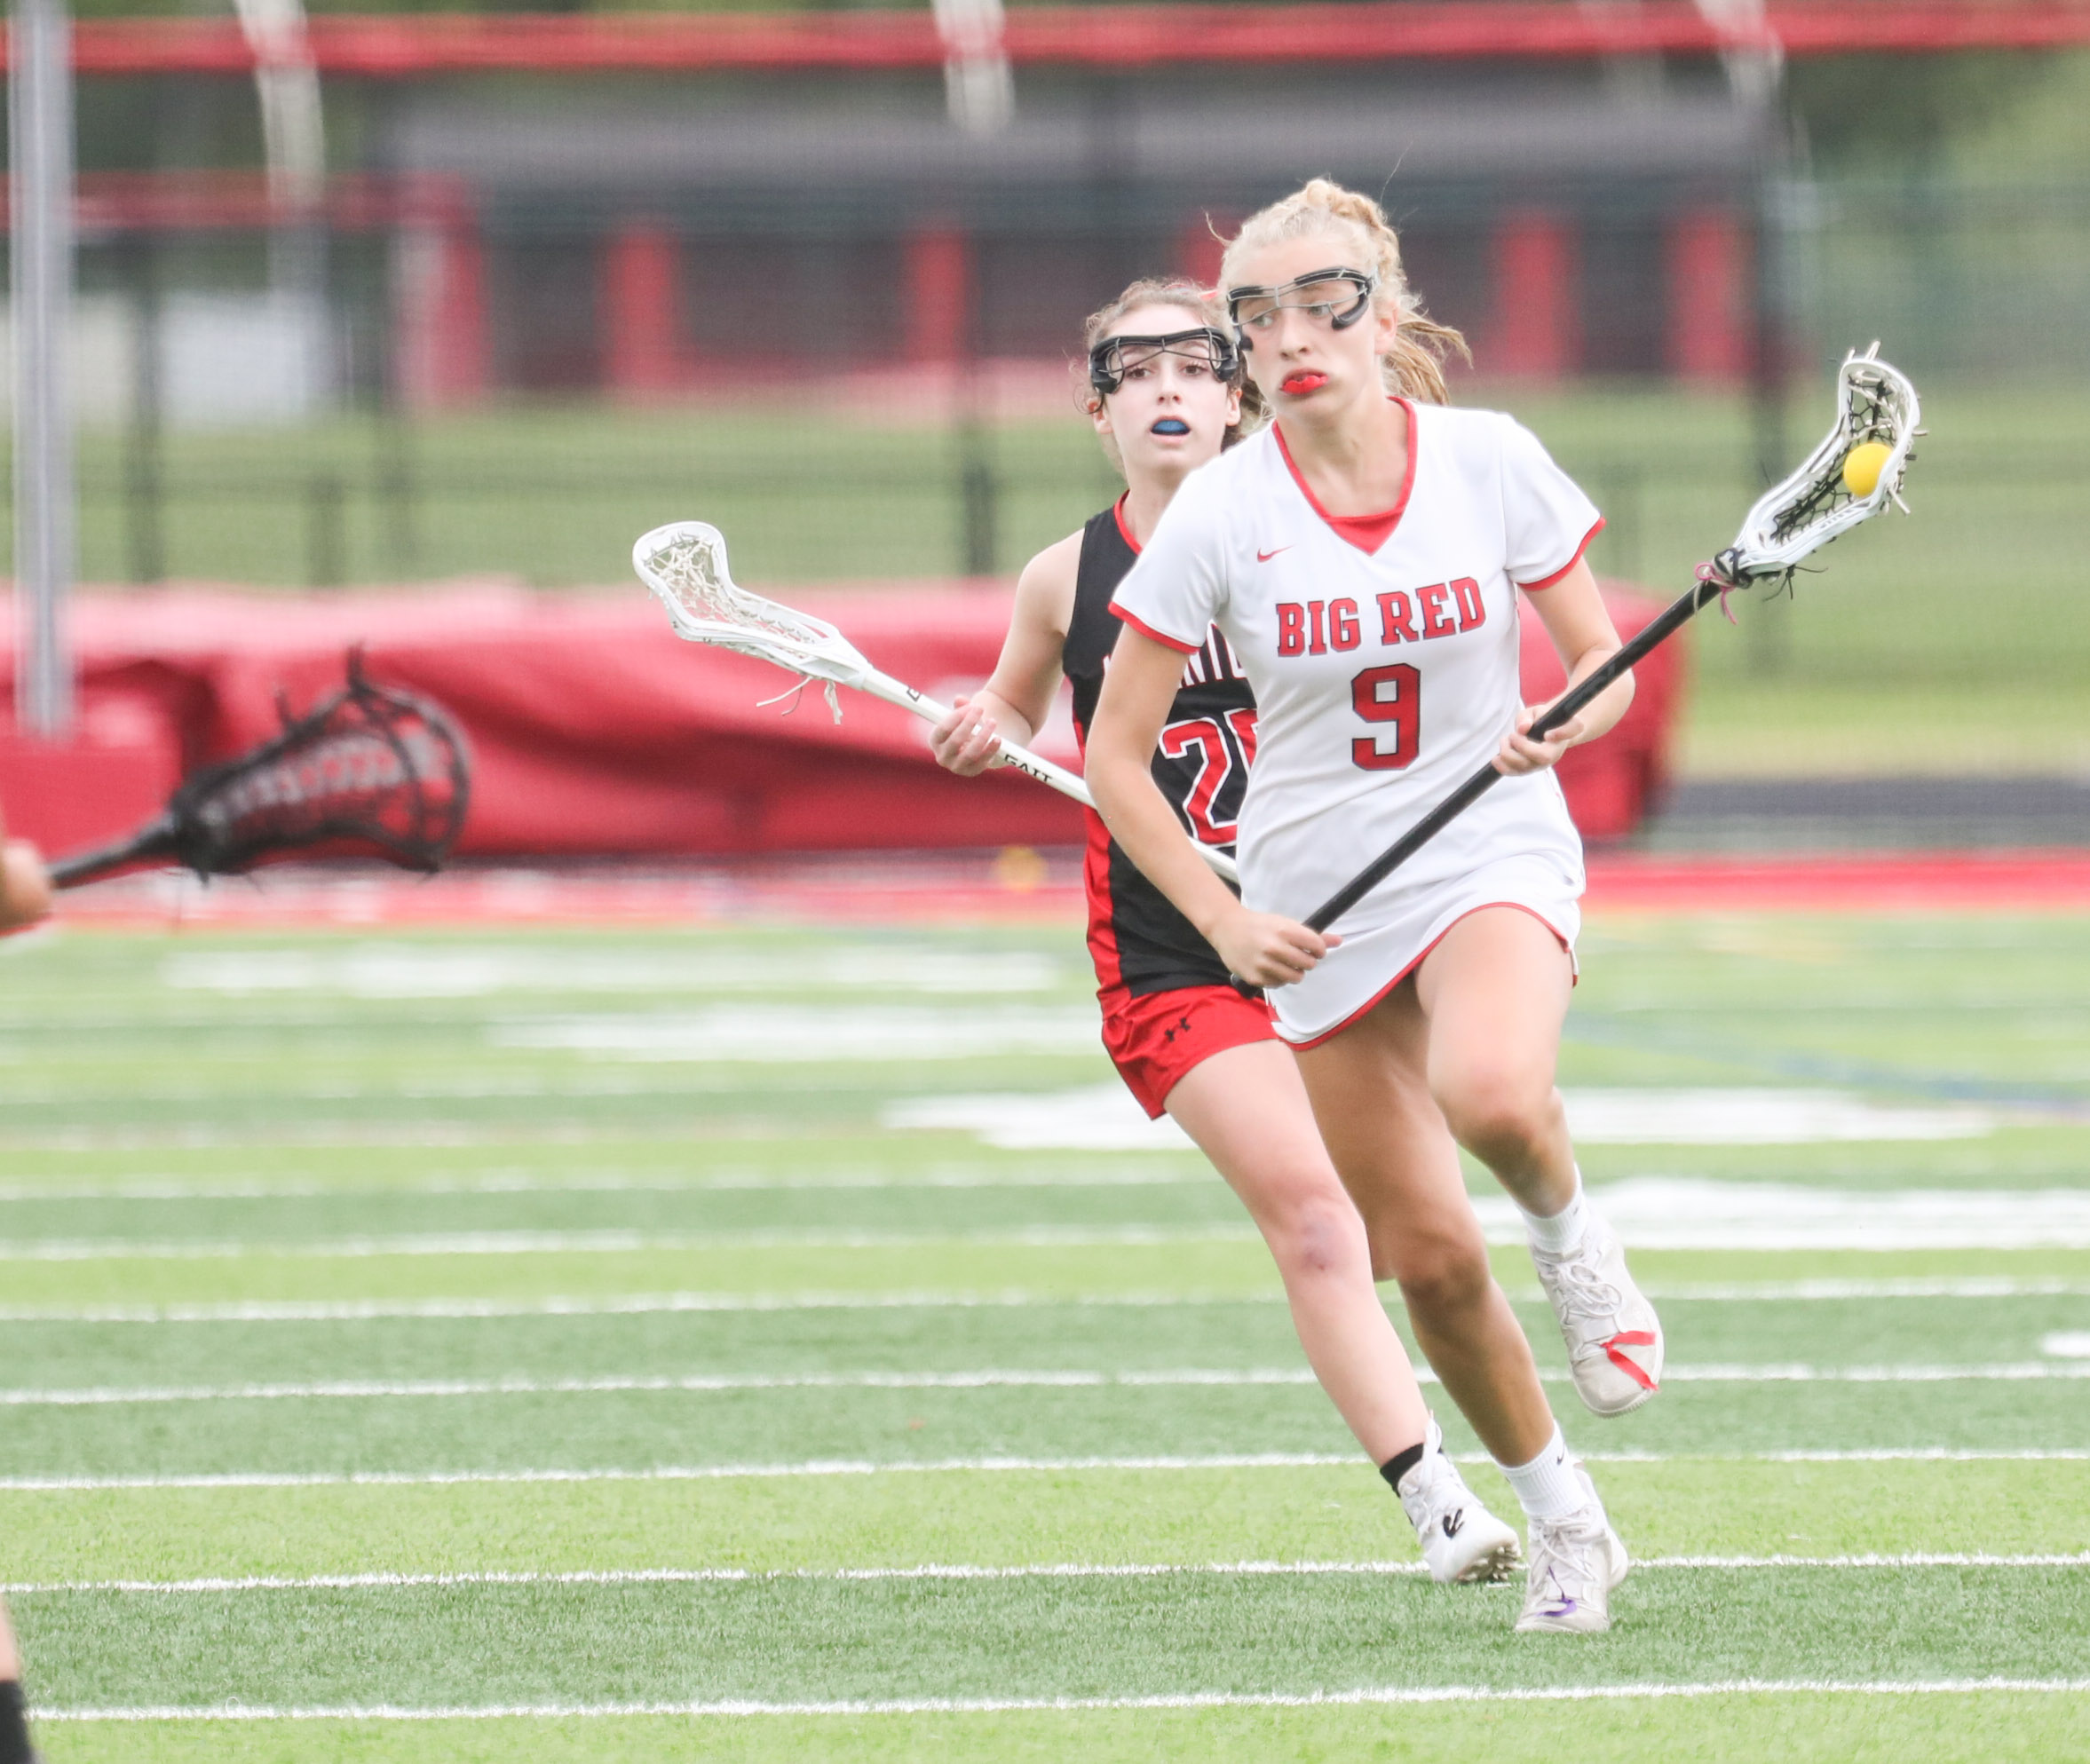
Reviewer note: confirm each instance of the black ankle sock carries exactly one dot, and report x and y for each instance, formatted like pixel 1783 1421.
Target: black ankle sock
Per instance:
pixel 1398 1465
pixel 14 1730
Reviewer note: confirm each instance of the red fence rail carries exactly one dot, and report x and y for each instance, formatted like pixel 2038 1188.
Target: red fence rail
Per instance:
pixel 397 47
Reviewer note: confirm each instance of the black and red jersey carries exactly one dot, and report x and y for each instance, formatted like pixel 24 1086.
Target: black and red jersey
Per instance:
pixel 1139 938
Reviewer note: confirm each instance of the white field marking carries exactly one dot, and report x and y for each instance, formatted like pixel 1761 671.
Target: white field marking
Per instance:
pixel 644 1304
pixel 1916 1286
pixel 1219 1377
pixel 774 1033
pixel 1648 1212
pixel 704 1473
pixel 1104 1117
pixel 641 1304
pixel 1187 1700
pixel 614 1182
pixel 406 970
pixel 613 1243
pixel 2068 1344
pixel 1063 1570
pixel 1694 1212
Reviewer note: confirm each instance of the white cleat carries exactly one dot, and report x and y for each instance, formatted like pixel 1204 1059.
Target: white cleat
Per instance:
pixel 1462 1540
pixel 1614 1339
pixel 1575 1563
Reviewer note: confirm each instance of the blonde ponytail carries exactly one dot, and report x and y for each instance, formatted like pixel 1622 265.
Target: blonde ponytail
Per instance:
pixel 1413 367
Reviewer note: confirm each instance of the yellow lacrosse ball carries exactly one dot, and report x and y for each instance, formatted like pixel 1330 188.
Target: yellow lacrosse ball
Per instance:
pixel 1863 465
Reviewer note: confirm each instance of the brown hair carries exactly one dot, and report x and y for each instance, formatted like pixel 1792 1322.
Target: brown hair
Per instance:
pixel 1162 290
pixel 1415 366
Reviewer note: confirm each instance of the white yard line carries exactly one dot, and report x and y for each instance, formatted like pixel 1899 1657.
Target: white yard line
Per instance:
pixel 359 1310
pixel 613 1243
pixel 1063 1570
pixel 847 1467
pixel 1144 1173
pixel 1648 1212
pixel 1103 1118
pixel 640 1304
pixel 981 1379
pixel 1191 1700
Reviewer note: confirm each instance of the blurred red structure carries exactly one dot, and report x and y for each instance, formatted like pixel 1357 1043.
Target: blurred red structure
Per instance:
pixel 411 46
pixel 595 733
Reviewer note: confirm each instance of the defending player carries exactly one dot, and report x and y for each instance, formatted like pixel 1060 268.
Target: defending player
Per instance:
pixel 1166 397
pixel 25 897
pixel 1363 557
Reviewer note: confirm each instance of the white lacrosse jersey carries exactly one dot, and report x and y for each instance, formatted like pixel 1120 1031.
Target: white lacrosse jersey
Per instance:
pixel 1382 650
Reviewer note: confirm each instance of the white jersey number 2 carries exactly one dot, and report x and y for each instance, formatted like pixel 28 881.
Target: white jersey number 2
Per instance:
pixel 1391 697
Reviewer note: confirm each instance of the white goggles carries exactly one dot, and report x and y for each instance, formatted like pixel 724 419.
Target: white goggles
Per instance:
pixel 1336 298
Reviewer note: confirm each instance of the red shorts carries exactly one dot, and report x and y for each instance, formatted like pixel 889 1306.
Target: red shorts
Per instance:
pixel 1155 1040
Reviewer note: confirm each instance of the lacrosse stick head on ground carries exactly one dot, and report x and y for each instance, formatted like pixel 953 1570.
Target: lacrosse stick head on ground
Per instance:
pixel 1875 404
pixel 685 565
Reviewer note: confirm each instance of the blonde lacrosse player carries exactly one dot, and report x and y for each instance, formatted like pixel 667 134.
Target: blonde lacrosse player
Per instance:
pixel 1364 557
pixel 1165 396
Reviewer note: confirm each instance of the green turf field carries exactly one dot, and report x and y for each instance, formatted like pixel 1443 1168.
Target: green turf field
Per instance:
pixel 1945 644
pixel 563 1345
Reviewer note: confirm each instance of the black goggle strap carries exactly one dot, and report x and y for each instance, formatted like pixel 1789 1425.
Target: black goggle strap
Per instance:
pixel 1364 285
pixel 1107 360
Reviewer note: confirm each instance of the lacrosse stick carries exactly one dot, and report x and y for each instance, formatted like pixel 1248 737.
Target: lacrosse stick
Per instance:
pixel 684 563
pixel 1876 404
pixel 371 764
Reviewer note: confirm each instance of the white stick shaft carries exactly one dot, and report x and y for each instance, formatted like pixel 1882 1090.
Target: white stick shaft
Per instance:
pixel 1020 759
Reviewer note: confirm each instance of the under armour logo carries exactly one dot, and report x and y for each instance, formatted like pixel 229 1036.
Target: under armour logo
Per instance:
pixel 1454 1522
pixel 1182 1028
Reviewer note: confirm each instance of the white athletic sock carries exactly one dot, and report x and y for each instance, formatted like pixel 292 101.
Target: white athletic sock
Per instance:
pixel 1562 1231
pixel 1546 1487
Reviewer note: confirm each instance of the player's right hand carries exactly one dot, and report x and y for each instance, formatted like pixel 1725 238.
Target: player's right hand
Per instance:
pixel 1267 949
pixel 965 740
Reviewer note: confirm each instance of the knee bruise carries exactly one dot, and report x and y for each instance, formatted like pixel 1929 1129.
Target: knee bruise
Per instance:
pixel 1317 1237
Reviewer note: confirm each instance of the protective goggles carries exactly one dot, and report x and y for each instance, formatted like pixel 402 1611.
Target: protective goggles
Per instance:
pixel 1117 356
pixel 1337 298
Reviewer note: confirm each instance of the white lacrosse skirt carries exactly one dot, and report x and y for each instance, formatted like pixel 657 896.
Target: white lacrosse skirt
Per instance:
pixel 1383 678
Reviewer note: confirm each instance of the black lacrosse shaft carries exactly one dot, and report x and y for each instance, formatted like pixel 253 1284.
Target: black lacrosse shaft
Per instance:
pixel 1650 635
pixel 154 841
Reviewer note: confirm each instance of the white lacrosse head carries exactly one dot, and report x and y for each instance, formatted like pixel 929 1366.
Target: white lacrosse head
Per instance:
pixel 1875 403
pixel 684 563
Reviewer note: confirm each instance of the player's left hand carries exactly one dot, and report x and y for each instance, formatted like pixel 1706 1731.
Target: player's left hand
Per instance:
pixel 1519 753
pixel 965 740
pixel 25 885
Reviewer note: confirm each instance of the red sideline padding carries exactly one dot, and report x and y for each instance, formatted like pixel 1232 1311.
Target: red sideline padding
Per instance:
pixel 595 732
pixel 910 888
pixel 1921 882
pixel 390 46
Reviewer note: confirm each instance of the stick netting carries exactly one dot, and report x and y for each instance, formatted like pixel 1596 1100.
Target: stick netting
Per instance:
pixel 371 766
pixel 1815 505
pixel 685 565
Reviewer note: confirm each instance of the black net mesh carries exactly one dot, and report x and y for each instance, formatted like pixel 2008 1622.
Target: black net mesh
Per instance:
pixel 1868 417
pixel 371 766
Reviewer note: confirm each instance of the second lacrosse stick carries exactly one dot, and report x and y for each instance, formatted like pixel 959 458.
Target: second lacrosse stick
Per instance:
pixel 685 565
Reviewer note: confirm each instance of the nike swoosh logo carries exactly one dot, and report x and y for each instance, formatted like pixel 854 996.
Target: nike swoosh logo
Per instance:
pixel 1264 557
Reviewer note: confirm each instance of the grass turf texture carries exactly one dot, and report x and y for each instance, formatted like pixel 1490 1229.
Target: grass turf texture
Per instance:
pixel 167 1142
pixel 1936 644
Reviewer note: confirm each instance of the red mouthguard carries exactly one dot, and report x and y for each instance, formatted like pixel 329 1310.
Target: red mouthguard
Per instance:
pixel 1299 384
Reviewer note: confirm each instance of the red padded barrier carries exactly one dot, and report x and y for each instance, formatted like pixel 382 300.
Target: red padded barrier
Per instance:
pixel 595 732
